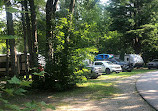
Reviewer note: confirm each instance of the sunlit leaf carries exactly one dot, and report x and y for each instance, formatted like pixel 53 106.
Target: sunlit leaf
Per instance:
pixel 4 37
pixel 26 83
pixel 40 73
pixel 12 10
pixel 14 80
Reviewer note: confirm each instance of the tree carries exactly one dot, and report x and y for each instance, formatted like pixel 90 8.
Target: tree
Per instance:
pixel 34 34
pixel 10 30
pixel 25 40
pixel 130 15
pixel 29 35
pixel 51 6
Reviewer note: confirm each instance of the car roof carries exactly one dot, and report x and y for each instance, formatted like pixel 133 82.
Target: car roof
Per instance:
pixel 101 61
pixel 103 54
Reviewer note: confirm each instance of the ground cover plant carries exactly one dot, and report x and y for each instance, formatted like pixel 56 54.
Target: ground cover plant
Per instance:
pixel 99 88
pixel 93 89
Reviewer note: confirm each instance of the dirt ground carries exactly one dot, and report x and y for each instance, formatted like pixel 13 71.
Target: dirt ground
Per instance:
pixel 127 100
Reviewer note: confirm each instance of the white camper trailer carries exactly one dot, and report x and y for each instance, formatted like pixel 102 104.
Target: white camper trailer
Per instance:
pixel 134 59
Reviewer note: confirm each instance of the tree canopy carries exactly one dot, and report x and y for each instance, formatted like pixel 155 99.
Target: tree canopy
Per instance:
pixel 66 32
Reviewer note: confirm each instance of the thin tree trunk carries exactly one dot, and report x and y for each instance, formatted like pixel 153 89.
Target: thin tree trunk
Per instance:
pixel 34 33
pixel 136 41
pixel 29 35
pixel 10 29
pixel 49 46
pixel 7 58
pixel 50 14
pixel 25 41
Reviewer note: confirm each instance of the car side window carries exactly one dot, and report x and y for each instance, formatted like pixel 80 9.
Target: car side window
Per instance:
pixel 155 60
pixel 98 63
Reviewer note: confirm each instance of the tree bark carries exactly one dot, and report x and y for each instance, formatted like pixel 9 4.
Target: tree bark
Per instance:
pixel 25 41
pixel 50 14
pixel 136 41
pixel 34 34
pixel 10 30
pixel 29 35
pixel 7 58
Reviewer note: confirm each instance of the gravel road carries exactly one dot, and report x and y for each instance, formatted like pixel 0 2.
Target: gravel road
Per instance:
pixel 127 100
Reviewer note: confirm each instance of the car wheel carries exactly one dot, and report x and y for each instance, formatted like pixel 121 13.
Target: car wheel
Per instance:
pixel 107 71
pixel 94 77
pixel 129 70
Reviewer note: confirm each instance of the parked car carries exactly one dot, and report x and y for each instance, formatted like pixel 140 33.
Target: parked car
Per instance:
pixel 153 64
pixel 125 66
pixel 106 66
pixel 134 59
pixel 101 57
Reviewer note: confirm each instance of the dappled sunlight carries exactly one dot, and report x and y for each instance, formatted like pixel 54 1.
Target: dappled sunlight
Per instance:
pixel 121 97
pixel 148 88
pixel 150 94
pixel 130 107
pixel 79 107
pixel 102 94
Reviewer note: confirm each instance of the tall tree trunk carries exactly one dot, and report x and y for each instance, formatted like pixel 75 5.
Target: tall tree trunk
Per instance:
pixel 25 41
pixel 50 14
pixel 10 30
pixel 34 33
pixel 136 40
pixel 7 58
pixel 29 35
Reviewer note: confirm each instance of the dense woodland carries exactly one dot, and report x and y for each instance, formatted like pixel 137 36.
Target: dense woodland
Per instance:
pixel 66 32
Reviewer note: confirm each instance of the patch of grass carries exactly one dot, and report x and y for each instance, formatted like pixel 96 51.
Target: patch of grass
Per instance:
pixel 125 74
pixel 90 90
pixel 93 89
pixel 98 88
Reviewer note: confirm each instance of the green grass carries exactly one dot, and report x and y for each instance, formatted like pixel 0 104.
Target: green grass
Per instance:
pixel 102 87
pixel 89 90
pixel 126 74
pixel 93 89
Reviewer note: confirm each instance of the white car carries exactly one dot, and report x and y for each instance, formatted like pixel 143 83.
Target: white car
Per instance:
pixel 106 66
pixel 153 64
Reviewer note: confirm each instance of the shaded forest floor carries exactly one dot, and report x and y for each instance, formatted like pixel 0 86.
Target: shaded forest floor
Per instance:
pixel 114 92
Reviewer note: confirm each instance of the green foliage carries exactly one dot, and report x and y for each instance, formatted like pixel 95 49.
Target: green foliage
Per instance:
pixel 1 4
pixel 16 87
pixel 94 28
pixel 38 106
pixel 39 74
pixel 4 37
pixel 14 80
pixel 134 20
pixel 12 10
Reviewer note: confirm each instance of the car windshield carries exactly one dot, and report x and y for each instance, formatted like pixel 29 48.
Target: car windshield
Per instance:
pixel 109 62
pixel 118 60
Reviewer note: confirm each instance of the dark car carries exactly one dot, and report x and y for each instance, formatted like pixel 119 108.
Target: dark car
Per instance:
pixel 125 66
pixel 153 64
